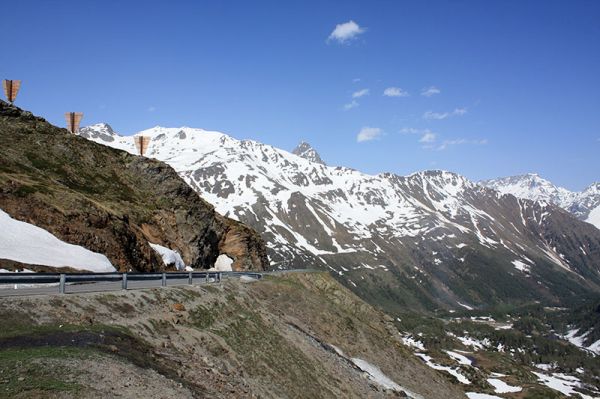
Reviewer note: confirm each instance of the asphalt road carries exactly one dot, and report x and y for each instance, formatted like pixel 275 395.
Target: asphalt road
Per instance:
pixel 71 288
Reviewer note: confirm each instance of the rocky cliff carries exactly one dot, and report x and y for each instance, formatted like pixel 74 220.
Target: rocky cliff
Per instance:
pixel 112 202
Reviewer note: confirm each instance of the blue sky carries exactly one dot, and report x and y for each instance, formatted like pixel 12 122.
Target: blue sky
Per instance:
pixel 514 86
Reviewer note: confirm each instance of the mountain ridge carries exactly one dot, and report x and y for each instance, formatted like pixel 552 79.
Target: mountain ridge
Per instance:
pixel 433 238
pixel 585 204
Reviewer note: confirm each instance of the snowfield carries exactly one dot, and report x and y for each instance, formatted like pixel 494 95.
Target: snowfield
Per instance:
pixel 594 217
pixel 565 384
pixel 29 244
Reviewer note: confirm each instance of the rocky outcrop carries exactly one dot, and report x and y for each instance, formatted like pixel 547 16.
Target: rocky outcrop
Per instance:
pixel 110 201
pixel 304 150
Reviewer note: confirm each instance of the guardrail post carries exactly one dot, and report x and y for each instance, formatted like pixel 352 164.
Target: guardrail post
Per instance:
pixel 190 278
pixel 61 284
pixel 206 278
pixel 124 281
pixel 219 277
pixel 164 279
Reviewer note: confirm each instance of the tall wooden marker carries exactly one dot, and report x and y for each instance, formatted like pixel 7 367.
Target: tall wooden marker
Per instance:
pixel 11 88
pixel 73 120
pixel 142 143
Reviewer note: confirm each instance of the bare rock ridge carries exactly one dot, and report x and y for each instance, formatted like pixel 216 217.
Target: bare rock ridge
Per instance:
pixel 305 151
pixel 112 202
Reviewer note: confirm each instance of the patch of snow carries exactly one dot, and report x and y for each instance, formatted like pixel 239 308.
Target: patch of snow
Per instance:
pixel 376 375
pixel 562 383
pixel 414 343
pixel 545 366
pixel 476 395
pixel 502 387
pixel 472 342
pixel 578 340
pixel 452 371
pixel 465 306
pixel 594 217
pixel 223 263
pixel 169 256
pixel 26 243
pixel 461 359
pixel 519 265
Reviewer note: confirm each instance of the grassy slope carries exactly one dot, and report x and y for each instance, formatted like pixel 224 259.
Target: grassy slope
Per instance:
pixel 267 338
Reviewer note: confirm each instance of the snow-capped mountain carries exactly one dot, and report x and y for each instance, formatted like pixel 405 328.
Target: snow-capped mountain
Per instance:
pixel 427 239
pixel 585 204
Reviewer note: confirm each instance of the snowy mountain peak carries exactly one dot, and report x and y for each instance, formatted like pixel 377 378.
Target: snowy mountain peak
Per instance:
pixel 532 186
pixel 585 204
pixel 101 131
pixel 306 151
pixel 593 189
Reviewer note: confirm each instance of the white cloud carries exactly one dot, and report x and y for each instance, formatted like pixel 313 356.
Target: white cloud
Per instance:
pixel 428 137
pixel 409 130
pixel 346 31
pixel 447 143
pixel 430 91
pixel 368 134
pixel 435 115
pixel 444 115
pixel 395 92
pixel 350 105
pixel 151 108
pixel 360 93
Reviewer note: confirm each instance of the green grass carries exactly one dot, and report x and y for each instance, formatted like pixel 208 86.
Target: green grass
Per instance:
pixel 23 375
pixel 202 317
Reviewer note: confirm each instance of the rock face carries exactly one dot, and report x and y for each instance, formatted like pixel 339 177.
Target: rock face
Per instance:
pixel 431 239
pixel 305 151
pixel 110 201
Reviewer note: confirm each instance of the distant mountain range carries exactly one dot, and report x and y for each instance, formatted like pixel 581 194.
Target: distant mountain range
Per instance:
pixel 426 240
pixel 585 204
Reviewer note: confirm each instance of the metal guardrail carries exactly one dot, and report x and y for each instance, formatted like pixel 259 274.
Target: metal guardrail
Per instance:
pixel 82 278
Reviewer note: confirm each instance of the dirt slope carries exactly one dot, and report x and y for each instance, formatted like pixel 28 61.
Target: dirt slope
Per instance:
pixel 273 338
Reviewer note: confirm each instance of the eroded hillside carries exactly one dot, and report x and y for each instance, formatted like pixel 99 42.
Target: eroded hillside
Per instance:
pixel 292 335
